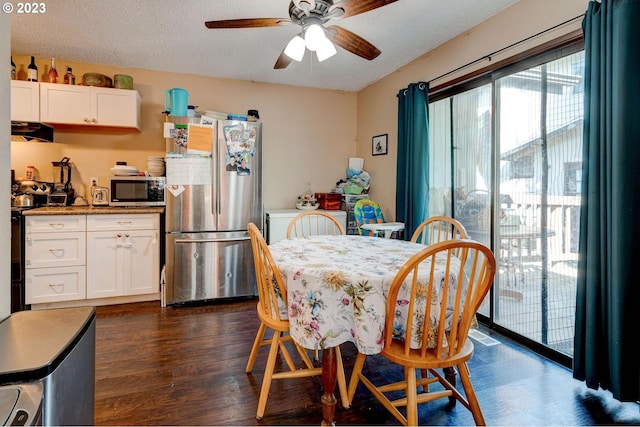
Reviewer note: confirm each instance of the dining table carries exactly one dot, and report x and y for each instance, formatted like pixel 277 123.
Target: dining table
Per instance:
pixel 337 288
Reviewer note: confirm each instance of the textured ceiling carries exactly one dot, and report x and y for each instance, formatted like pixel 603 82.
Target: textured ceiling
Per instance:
pixel 169 35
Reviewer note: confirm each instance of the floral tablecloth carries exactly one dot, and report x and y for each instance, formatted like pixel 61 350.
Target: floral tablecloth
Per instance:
pixel 338 285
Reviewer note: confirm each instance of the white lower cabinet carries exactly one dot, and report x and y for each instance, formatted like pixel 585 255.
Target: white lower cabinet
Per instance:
pixel 77 257
pixel 55 284
pixel 123 255
pixel 55 254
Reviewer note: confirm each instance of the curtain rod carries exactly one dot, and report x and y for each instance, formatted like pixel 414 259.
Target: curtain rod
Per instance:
pixel 488 56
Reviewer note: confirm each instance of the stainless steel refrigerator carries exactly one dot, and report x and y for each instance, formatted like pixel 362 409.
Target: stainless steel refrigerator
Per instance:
pixel 214 189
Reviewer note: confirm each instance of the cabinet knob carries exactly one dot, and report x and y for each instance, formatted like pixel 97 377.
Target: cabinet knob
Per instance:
pixel 86 120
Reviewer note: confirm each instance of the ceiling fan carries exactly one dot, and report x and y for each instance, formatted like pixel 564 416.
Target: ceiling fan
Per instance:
pixel 312 15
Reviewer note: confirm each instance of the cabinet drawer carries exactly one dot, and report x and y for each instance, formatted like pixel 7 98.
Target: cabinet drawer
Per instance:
pixel 55 249
pixel 55 284
pixel 123 222
pixel 55 223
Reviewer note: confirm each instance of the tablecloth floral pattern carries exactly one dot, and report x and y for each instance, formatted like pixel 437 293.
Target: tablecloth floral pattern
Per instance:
pixel 337 288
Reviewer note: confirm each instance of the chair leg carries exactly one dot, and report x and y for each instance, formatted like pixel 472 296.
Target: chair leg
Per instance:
pixel 286 356
pixel 412 397
pixel 474 406
pixel 257 343
pixel 268 374
pixel 303 355
pixel 355 376
pixel 342 381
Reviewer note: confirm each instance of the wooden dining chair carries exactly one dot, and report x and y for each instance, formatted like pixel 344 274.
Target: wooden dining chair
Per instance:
pixel 434 230
pixel 428 304
pixel 438 229
pixel 272 312
pixel 312 223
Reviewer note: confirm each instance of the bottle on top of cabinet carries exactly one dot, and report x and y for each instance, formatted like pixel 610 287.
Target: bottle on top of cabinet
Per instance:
pixel 69 78
pixel 13 69
pixel 32 71
pixel 53 72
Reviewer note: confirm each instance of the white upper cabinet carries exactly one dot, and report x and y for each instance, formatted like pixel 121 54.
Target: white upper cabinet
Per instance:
pixel 25 101
pixel 89 106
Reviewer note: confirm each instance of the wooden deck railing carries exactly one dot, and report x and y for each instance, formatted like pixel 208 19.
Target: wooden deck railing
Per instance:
pixel 563 218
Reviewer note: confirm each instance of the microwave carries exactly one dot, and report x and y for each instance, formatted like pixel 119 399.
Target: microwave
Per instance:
pixel 137 191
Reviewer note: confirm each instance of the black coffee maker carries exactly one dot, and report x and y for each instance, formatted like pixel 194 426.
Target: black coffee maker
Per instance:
pixel 63 193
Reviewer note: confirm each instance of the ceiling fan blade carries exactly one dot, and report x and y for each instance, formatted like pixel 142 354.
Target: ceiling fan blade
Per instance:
pixel 283 61
pixel 352 42
pixel 356 7
pixel 248 23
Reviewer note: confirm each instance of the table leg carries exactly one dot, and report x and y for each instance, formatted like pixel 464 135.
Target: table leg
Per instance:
pixel 450 375
pixel 329 369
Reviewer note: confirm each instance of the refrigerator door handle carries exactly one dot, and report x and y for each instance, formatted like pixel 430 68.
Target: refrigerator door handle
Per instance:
pixel 215 182
pixel 235 239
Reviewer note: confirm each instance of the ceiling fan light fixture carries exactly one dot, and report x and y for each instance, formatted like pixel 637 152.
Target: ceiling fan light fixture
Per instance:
pixel 326 50
pixel 305 5
pixel 314 37
pixel 295 48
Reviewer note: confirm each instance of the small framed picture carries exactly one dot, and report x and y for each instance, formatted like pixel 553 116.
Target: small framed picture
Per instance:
pixel 379 145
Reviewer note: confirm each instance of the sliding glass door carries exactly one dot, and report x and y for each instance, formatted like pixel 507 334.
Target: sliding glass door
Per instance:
pixel 513 145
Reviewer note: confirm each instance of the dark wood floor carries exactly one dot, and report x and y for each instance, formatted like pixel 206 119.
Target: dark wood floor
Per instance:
pixel 185 366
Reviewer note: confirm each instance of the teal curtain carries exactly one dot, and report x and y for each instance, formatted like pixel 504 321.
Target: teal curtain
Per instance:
pixel 412 180
pixel 606 351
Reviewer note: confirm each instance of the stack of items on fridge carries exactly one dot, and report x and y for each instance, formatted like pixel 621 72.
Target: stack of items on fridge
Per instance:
pixel 214 189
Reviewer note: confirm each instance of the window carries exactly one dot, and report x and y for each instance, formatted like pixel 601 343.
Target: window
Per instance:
pixel 512 141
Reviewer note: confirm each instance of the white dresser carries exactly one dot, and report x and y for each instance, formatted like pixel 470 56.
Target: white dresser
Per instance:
pixel 277 221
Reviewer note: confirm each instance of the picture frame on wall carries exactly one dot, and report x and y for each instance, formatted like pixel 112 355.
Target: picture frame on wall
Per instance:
pixel 379 145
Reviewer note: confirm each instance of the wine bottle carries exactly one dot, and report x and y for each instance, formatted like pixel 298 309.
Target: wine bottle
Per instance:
pixel 13 69
pixel 53 72
pixel 32 71
pixel 69 78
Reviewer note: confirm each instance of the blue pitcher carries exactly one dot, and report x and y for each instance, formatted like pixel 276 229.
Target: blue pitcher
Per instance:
pixel 179 101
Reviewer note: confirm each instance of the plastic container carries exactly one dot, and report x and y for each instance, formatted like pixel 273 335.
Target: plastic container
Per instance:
pixel 241 117
pixel 352 189
pixel 329 201
pixel 122 81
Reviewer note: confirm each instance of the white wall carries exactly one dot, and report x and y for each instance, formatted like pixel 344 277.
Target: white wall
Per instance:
pixel 5 178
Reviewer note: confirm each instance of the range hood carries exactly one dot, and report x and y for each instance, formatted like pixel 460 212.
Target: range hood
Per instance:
pixel 30 131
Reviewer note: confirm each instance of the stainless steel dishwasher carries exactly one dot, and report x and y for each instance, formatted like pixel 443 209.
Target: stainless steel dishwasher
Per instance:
pixel 47 357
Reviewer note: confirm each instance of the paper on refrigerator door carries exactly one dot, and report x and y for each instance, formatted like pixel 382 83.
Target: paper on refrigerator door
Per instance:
pixel 200 139
pixel 188 169
pixel 176 190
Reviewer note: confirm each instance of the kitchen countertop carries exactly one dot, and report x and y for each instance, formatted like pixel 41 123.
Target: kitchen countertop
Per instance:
pixel 92 210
